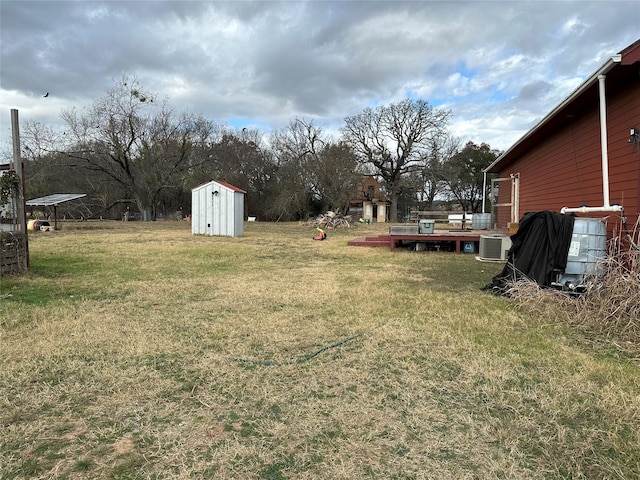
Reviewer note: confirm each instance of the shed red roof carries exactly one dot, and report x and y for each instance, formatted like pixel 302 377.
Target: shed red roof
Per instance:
pixel 224 184
pixel 230 187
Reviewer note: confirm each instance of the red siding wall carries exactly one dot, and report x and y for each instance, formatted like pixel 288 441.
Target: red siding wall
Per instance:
pixel 565 169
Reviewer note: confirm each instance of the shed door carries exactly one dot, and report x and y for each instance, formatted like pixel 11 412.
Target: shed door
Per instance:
pixel 215 212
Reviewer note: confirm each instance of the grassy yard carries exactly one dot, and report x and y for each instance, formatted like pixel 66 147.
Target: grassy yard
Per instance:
pixel 139 351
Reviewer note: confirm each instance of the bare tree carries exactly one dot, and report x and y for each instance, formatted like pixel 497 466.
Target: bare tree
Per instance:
pixel 393 139
pixel 295 148
pixel 241 159
pixel 335 173
pixel 139 144
pixel 431 176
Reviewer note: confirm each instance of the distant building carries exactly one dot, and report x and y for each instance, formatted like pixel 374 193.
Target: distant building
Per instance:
pixel 217 208
pixel 369 204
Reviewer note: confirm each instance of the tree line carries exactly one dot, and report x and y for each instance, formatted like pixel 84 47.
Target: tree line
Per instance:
pixel 130 152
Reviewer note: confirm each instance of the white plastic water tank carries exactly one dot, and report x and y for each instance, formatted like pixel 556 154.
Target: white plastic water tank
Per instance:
pixel 588 249
pixel 481 221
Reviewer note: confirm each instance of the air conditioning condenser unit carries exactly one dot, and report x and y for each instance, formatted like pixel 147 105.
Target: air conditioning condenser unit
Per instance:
pixel 494 248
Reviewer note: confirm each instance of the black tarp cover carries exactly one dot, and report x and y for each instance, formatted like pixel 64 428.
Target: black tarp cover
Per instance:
pixel 539 250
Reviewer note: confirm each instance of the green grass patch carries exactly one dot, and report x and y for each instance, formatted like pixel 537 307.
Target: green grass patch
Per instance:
pixel 120 357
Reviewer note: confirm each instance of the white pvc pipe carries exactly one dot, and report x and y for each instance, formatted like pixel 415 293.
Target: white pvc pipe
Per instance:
pixel 484 189
pixel 514 219
pixel 605 160
pixel 603 141
pixel 515 200
pixel 608 208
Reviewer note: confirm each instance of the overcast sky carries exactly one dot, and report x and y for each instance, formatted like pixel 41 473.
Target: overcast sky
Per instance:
pixel 498 66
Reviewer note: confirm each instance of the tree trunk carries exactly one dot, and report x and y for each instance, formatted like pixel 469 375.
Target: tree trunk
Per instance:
pixel 393 214
pixel 146 209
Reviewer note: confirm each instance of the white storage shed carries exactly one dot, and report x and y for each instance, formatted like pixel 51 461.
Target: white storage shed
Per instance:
pixel 217 208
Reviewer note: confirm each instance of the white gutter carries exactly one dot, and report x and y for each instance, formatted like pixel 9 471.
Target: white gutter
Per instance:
pixel 484 189
pixel 603 70
pixel 599 76
pixel 603 140
pixel 606 207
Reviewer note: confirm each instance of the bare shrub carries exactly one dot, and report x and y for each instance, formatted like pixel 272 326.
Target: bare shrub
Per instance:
pixel 548 304
pixel 610 306
pixel 332 220
pixel 612 301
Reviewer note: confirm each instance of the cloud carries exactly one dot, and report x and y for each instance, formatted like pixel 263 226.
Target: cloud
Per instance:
pixel 498 66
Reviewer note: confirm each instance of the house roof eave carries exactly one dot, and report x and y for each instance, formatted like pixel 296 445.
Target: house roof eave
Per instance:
pixel 589 82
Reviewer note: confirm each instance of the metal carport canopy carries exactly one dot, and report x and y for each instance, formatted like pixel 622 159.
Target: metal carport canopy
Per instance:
pixel 53 201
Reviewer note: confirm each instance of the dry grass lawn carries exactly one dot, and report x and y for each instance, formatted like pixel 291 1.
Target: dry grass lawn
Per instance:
pixel 139 351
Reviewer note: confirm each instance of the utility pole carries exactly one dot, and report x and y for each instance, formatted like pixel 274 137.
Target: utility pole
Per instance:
pixel 21 207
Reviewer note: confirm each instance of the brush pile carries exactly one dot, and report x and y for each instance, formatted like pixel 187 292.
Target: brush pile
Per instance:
pixel 610 307
pixel 613 300
pixel 332 220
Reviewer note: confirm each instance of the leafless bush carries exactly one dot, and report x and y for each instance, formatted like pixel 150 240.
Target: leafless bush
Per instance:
pixel 612 300
pixel 610 306
pixel 332 220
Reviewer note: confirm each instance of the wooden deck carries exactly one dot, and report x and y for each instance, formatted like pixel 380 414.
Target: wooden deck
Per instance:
pixel 440 240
